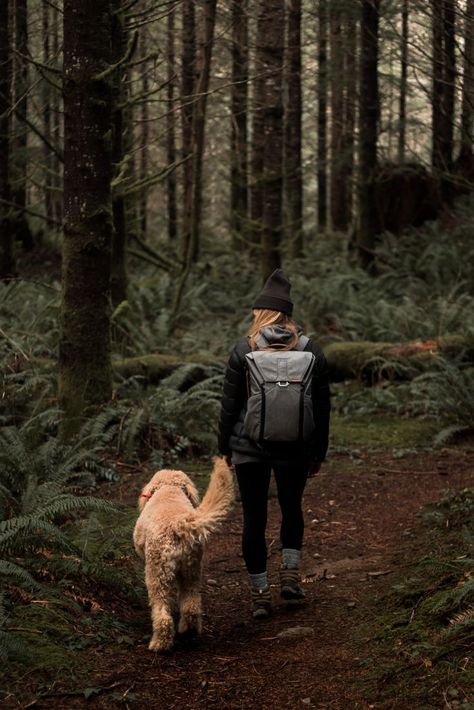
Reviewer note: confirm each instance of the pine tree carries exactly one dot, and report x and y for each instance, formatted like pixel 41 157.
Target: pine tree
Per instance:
pixel 84 348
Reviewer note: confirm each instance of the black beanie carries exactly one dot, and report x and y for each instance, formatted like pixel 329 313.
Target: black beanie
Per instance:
pixel 276 294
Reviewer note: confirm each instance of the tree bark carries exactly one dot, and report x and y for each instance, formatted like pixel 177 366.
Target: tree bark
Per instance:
pixel 7 265
pixel 273 37
pixel 293 131
pixel 238 137
pixel 402 118
pixel 368 115
pixel 338 185
pixel 84 348
pixel 322 116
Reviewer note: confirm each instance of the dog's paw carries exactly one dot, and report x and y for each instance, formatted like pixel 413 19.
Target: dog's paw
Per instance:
pixel 160 644
pixel 190 625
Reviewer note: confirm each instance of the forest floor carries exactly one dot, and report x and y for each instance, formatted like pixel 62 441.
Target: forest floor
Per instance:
pixel 362 534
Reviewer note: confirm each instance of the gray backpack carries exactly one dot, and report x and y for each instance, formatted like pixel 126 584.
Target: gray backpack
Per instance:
pixel 279 406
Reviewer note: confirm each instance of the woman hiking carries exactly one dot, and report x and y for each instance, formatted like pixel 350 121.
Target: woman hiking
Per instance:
pixel 274 416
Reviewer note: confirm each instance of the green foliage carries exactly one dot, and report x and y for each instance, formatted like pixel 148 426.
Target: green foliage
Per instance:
pixel 41 500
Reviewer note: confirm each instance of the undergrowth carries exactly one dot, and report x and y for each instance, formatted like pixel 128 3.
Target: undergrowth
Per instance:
pixel 426 623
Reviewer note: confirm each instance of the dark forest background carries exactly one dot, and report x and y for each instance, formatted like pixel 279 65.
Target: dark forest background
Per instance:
pixel 157 161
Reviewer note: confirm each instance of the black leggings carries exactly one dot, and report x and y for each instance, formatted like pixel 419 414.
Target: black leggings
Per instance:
pixel 254 480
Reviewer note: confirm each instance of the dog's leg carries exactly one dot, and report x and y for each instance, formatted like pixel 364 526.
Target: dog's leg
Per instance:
pixel 161 586
pixel 190 609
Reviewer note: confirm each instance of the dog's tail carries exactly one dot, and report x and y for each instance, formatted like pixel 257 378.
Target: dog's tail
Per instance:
pixel 216 503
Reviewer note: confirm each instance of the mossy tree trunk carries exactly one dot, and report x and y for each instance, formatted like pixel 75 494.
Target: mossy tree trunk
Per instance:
pixel 85 379
pixel 7 265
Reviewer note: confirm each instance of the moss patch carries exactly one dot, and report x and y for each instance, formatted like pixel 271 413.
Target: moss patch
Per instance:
pixel 379 432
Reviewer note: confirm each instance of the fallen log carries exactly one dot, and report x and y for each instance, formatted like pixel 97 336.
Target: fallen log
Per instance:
pixel 365 360
pixel 372 361
pixel 156 367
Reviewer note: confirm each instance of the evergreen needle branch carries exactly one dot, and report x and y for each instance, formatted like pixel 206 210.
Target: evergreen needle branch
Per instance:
pixel 132 44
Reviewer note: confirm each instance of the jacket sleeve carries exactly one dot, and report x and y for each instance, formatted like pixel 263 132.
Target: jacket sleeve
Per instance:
pixel 233 400
pixel 321 404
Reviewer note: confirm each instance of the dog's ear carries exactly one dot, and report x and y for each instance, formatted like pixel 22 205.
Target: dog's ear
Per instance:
pixel 144 497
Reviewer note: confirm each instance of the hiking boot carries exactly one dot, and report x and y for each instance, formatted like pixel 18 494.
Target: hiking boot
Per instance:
pixel 261 603
pixel 290 584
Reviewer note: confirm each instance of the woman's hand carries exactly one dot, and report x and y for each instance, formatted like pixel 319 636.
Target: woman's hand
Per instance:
pixel 314 468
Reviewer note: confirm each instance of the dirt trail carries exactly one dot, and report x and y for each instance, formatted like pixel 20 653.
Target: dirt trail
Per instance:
pixel 358 515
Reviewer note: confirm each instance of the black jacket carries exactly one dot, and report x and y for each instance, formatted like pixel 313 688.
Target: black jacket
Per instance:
pixel 232 435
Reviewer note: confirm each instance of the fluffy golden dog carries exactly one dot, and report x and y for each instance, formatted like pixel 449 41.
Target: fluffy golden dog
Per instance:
pixel 169 536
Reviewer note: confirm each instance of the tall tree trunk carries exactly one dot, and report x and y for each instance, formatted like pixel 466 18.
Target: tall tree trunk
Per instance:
pixel 293 130
pixel 47 117
pixel 238 140
pixel 402 111
pixel 20 144
pixel 144 138
pixel 56 123
pixel 188 62
pixel 119 278
pixel 467 101
pixel 7 265
pixel 273 32
pixel 444 76
pixel 258 134
pixel 338 176
pixel 203 66
pixel 84 344
pixel 350 88
pixel 322 116
pixel 172 206
pixel 368 114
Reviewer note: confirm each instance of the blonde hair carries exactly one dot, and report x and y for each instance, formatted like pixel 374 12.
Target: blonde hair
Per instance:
pixel 263 317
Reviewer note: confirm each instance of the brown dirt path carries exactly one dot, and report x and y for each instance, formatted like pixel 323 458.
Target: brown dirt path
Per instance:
pixel 358 513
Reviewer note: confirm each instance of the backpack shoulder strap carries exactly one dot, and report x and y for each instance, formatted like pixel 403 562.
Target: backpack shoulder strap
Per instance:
pixel 302 342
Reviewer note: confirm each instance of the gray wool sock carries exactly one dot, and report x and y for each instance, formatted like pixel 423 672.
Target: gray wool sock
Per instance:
pixel 290 558
pixel 259 581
